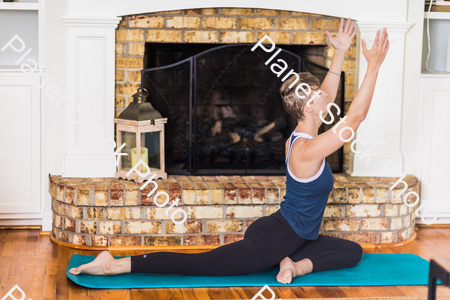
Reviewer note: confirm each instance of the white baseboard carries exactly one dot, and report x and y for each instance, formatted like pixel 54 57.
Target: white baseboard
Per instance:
pixel 441 219
pixel 20 219
pixel 15 222
pixel 17 216
pixel 47 219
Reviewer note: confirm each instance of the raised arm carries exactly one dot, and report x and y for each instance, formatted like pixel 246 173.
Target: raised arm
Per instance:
pixel 329 141
pixel 341 44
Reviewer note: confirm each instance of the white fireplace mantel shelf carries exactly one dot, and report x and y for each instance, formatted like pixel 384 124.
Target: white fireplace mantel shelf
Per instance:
pixel 382 10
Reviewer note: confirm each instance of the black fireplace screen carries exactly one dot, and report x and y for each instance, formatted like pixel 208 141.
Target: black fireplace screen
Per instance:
pixel 225 114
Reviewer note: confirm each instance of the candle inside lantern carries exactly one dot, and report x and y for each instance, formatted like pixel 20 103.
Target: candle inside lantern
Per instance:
pixel 144 157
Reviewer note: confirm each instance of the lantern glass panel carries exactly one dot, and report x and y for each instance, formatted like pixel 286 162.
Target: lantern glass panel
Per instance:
pixel 130 139
pixel 151 141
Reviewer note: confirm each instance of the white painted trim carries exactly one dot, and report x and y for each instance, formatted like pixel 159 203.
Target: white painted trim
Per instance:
pixel 402 27
pixel 428 83
pixel 19 73
pixel 382 126
pixel 380 10
pixel 18 6
pixel 91 21
pixel 4 216
pixel 437 75
pixel 44 178
pixel 17 220
pixel 41 34
pixel 47 220
pixel 34 205
pixel 387 164
pixel 441 219
pixel 91 42
pixel 437 15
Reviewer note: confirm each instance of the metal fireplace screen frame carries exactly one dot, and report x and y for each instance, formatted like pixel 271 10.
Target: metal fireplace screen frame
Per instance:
pixel 183 92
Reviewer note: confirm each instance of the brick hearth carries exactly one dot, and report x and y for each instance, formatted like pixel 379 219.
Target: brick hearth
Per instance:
pixel 112 212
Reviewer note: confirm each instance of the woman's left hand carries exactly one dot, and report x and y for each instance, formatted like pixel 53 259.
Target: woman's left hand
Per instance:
pixel 345 36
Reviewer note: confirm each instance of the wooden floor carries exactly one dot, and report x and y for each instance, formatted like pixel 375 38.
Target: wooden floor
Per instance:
pixel 39 268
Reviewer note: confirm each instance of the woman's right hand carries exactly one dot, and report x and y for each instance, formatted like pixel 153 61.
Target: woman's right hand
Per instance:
pixel 376 55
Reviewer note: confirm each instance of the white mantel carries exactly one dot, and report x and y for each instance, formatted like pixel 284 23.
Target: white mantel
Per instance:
pixel 381 10
pixel 382 127
pixel 90 84
pixel 90 51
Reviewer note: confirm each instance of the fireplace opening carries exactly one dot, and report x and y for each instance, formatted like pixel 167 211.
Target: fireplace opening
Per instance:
pixel 225 114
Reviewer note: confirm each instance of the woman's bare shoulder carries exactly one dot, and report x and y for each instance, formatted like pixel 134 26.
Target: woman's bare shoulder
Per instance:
pixel 302 166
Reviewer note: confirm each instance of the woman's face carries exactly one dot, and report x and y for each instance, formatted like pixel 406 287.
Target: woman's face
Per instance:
pixel 320 101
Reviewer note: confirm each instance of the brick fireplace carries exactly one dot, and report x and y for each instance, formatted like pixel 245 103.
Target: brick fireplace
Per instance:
pixel 91 209
pixel 224 25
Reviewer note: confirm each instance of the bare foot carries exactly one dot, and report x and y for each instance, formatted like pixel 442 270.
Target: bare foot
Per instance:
pixel 101 265
pixel 289 269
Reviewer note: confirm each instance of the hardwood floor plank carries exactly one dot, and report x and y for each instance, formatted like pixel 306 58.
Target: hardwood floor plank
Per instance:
pixel 63 284
pixel 330 292
pixel 284 292
pixel 138 294
pixel 51 266
pixel 8 249
pixel 220 293
pixel 197 293
pixel 250 292
pixel 45 248
pixel 349 291
pixel 418 291
pixel 21 250
pixel 188 293
pixel 306 292
pixel 3 234
pixel 37 283
pixel 49 292
pixel 238 292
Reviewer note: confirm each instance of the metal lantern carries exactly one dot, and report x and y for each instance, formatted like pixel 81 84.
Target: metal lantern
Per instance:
pixel 141 128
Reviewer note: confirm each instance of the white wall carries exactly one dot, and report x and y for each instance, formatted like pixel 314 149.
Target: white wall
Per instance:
pixel 411 108
pixel 56 62
pixel 54 123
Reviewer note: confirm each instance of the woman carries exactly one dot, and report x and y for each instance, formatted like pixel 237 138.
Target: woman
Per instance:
pixel 289 237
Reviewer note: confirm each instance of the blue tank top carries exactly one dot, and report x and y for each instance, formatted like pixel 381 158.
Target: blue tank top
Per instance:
pixel 306 199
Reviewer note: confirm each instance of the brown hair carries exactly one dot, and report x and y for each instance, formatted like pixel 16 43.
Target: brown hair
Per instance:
pixel 291 102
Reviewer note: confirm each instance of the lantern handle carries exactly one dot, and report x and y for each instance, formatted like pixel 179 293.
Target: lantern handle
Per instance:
pixel 140 89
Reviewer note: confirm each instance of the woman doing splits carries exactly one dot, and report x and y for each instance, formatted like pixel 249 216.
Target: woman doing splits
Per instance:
pixel 289 238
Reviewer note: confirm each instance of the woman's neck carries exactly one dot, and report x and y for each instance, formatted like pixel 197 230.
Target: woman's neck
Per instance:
pixel 308 126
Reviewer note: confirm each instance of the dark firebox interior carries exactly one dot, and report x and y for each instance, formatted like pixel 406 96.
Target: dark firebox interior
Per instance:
pixel 225 114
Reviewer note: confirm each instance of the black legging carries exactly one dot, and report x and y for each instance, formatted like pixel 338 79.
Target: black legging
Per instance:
pixel 266 242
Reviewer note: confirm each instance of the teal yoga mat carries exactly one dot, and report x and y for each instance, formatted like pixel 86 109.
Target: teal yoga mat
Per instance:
pixel 373 270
